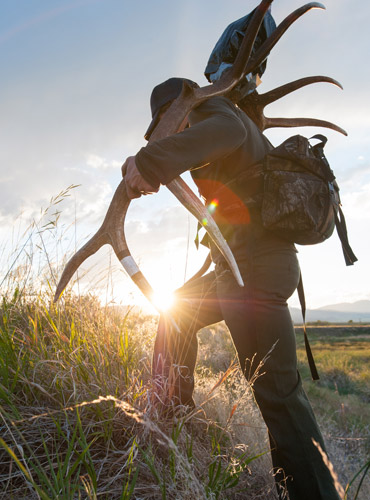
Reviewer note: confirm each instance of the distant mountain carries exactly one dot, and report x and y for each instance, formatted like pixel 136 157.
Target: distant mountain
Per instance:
pixel 362 306
pixel 358 312
pixel 342 313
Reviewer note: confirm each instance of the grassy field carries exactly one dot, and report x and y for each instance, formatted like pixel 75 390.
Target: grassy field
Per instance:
pixel 78 420
pixel 341 398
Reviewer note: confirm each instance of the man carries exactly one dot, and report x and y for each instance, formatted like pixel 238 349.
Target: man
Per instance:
pixel 220 147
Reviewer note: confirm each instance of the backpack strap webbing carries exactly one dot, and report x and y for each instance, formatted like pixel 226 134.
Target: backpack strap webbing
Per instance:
pixel 340 224
pixel 311 361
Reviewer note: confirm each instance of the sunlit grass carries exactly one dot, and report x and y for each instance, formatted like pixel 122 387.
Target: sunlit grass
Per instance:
pixel 78 419
pixel 341 398
pixel 343 359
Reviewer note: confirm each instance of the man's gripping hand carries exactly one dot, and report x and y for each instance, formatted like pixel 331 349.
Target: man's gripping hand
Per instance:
pixel 136 185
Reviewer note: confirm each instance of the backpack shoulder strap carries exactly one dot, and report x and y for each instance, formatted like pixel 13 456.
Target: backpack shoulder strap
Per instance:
pixel 340 224
pixel 311 361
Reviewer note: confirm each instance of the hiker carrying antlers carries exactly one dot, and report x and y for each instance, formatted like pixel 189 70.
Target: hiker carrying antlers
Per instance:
pixel 216 132
pixel 219 144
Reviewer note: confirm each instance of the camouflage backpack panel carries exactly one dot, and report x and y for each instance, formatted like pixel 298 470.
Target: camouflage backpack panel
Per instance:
pixel 300 193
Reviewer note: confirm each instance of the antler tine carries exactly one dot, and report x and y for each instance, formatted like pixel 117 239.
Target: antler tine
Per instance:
pixel 78 258
pixel 255 103
pixel 202 270
pixel 283 90
pixel 112 232
pixel 302 122
pixel 190 201
pixel 272 40
pixel 231 78
pixel 105 235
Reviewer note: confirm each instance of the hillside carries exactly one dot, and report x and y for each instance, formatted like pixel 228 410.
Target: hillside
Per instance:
pixel 358 312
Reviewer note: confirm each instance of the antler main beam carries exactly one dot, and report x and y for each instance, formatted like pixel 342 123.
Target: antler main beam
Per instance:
pixel 272 40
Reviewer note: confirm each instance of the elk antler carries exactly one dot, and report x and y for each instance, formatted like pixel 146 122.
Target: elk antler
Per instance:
pixel 112 230
pixel 255 103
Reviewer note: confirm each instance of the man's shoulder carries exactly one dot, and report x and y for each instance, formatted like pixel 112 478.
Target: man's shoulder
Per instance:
pixel 217 106
pixel 223 106
pixel 217 103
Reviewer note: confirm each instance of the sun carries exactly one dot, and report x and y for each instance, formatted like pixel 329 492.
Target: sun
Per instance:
pixel 163 299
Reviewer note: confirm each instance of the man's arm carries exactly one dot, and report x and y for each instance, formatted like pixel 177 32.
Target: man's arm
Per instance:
pixel 215 132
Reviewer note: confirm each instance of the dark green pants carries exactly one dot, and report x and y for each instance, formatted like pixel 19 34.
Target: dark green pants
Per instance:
pixel 259 320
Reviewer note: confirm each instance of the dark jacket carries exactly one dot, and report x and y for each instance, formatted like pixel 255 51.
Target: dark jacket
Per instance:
pixel 220 148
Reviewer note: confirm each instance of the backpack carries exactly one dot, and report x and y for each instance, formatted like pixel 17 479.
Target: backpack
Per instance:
pixel 300 199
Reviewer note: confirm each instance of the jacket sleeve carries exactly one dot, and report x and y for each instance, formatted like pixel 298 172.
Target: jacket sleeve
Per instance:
pixel 215 132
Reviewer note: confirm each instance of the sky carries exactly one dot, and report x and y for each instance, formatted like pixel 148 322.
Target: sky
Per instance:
pixel 74 103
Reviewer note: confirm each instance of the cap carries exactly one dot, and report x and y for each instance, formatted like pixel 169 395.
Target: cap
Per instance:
pixel 162 94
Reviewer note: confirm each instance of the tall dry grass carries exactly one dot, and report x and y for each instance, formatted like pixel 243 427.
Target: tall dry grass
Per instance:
pixel 75 408
pixel 77 418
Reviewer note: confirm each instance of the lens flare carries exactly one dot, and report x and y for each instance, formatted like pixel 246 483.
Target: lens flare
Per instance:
pixel 163 299
pixel 212 206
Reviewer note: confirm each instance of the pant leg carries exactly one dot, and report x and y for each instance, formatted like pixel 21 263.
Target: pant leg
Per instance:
pixel 175 353
pixel 259 320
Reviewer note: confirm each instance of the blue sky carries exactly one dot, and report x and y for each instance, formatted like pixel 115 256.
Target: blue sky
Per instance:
pixel 74 101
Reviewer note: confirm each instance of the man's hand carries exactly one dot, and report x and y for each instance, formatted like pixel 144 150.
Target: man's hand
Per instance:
pixel 136 185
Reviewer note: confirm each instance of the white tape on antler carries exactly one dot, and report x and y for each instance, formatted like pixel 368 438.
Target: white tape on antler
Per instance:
pixel 130 265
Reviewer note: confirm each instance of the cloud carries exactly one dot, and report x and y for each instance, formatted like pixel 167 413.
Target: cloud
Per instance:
pixel 100 163
pixel 356 204
pixel 166 225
